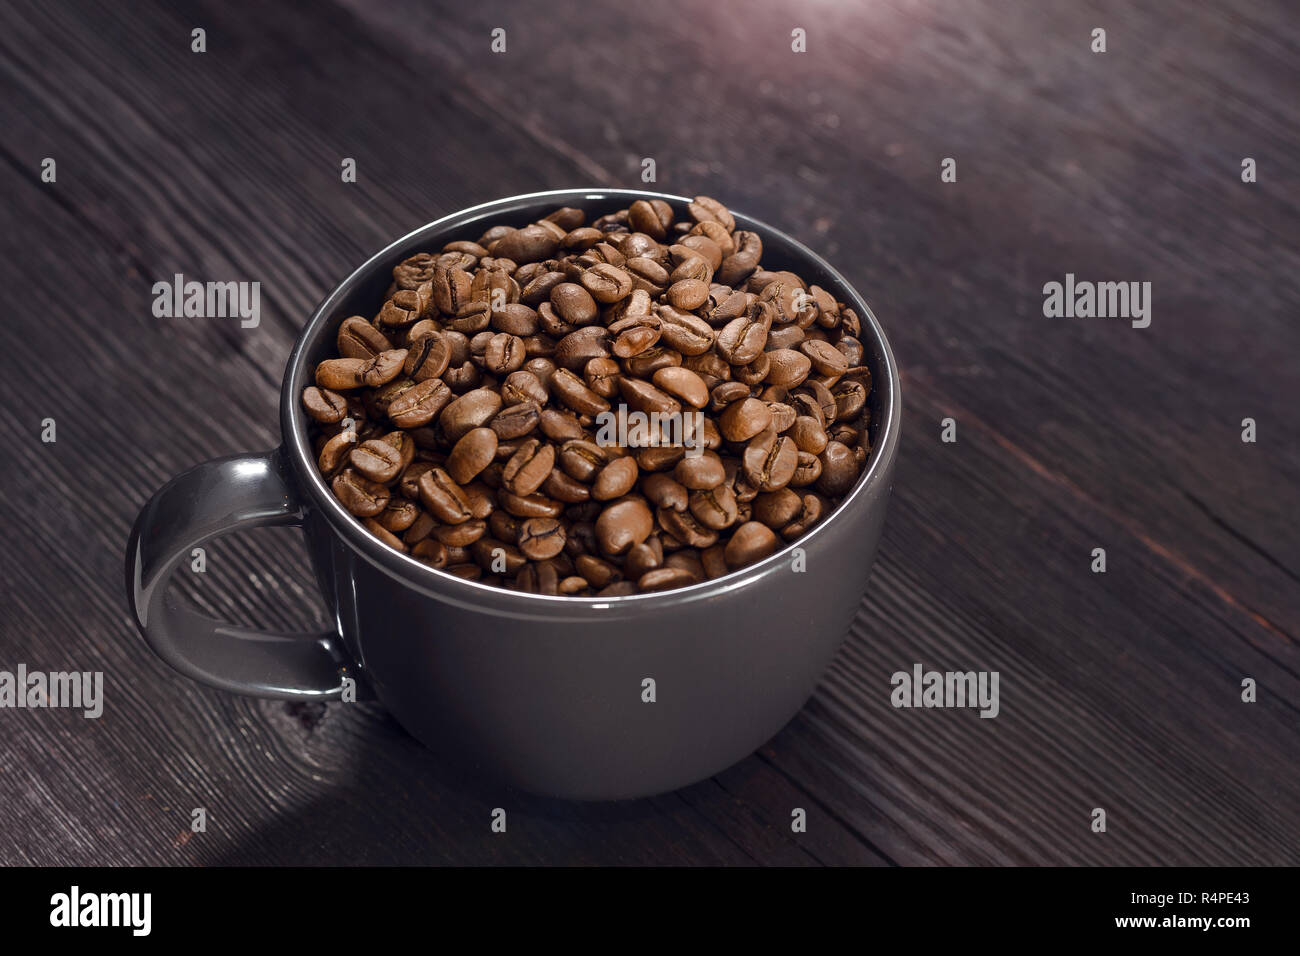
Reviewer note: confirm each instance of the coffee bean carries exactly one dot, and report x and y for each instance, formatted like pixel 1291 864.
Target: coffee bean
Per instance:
pixel 357 338
pixel 471 410
pixel 535 505
pixel 516 421
pixel 700 472
pixel 686 528
pixel 826 359
pixel 606 283
pixel 623 524
pixel 419 404
pixel 654 218
pixel 377 460
pixel 839 470
pixel 474 452
pixel 541 538
pixel 443 497
pixel 715 508
pixel 615 480
pixel 358 494
pixel 770 461
pixel 580 346
pixel 705 210
pixel 736 267
pixel 751 542
pixel 688 294
pixel 776 509
pixel 495 357
pixel 687 333
pixel 570 390
pixel 324 405
pixel 742 339
pixel 461 535
pixel 529 244
pixel 528 468
pixel 811 510
pixel 742 420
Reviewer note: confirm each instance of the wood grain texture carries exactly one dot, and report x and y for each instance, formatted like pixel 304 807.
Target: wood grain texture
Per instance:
pixel 1119 691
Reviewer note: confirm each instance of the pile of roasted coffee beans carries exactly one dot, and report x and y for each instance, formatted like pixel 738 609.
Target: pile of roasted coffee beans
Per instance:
pixel 462 424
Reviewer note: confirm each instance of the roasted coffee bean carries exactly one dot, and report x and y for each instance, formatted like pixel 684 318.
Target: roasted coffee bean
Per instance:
pixel 324 405
pixel 333 456
pixel 443 497
pixel 787 367
pixel 715 507
pixel 776 509
pixel 808 434
pixel 502 358
pixel 571 391
pixel 528 468
pixel 811 510
pixel 751 542
pixel 348 373
pixel 601 376
pixel 427 357
pixel 358 494
pixel 850 398
pixel 406 307
pixel 561 487
pixel 530 506
pixel 839 470
pixel 474 452
pixel 460 535
pixel 685 332
pixel 471 410
pixel 688 294
pixel 516 421
pixel 737 267
pixel 573 303
pixel 377 460
pixel 419 404
pixel 414 272
pixel 826 359
pixel 529 244
pixel 357 338
pixel 686 528
pixel 623 524
pixel 615 480
pixel 742 420
pixel 770 461
pixel 523 386
pixel 580 346
pixel 700 471
pixel 505 354
pixel 606 283
pixel 683 384
pixel 705 210
pixel 541 538
pixel 582 459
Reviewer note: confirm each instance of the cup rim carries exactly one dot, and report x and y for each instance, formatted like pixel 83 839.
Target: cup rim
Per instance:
pixel 294 427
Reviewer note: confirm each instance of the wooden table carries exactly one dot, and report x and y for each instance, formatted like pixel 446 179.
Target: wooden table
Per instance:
pixel 1120 691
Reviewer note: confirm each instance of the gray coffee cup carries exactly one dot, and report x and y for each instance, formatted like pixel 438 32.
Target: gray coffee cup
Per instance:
pixel 550 694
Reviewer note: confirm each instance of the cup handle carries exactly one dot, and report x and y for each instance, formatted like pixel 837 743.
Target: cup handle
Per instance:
pixel 206 502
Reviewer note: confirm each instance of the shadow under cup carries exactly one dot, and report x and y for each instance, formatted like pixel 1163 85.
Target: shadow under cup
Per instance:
pixel 585 698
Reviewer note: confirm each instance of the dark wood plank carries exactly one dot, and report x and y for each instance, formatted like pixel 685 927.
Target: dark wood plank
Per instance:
pixel 1119 691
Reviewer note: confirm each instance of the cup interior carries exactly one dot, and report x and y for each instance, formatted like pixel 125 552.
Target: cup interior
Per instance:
pixel 362 292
